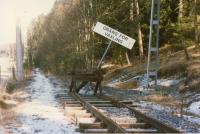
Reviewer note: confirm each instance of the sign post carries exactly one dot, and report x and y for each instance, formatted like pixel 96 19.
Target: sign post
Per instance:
pixel 113 35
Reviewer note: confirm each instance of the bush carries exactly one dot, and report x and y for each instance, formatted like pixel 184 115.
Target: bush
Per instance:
pixel 183 29
pixel 10 87
pixel 179 46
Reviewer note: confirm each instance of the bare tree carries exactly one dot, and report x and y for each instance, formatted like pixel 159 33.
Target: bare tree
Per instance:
pixel 195 24
pixel 139 31
pixel 180 13
pixel 131 19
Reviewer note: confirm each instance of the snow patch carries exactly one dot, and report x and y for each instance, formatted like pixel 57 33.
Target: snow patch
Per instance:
pixel 142 79
pixel 195 108
pixel 42 114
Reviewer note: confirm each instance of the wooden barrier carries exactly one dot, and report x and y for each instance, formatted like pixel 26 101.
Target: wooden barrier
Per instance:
pixel 86 75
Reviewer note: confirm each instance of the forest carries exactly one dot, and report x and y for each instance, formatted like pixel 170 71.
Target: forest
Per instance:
pixel 64 38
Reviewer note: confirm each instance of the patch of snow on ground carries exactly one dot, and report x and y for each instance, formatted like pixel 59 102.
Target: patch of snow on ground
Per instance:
pixel 149 104
pixel 165 82
pixel 195 108
pixel 168 83
pixel 113 83
pixel 191 118
pixel 42 114
pixel 142 79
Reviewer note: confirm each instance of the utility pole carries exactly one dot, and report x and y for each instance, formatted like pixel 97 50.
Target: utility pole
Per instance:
pixel 19 58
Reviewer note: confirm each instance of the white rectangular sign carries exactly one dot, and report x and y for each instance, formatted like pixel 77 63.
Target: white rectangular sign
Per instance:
pixel 114 35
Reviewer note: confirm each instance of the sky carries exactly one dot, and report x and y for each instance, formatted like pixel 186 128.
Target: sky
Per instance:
pixel 30 9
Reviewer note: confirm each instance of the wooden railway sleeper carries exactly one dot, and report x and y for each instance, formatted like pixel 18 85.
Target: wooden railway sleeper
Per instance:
pixel 105 123
pixel 154 122
pixel 101 116
pixel 139 120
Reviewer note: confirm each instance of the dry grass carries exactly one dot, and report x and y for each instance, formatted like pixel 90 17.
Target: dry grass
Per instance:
pixel 176 64
pixel 162 100
pixel 182 89
pixel 5 96
pixel 9 132
pixel 117 71
pixel 7 117
pixel 11 95
pixel 3 105
pixel 177 68
pixel 195 86
pixel 27 73
pixel 117 97
pixel 10 87
pixel 128 85
pixel 171 64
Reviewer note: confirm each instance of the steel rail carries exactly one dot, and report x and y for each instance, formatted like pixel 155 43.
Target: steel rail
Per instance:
pixel 154 122
pixel 109 122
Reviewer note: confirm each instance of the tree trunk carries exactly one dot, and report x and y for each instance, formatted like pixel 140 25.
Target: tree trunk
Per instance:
pixel 180 13
pixel 185 48
pixel 92 34
pixel 88 32
pixel 131 11
pixel 85 13
pixel 131 19
pixel 195 24
pixel 139 32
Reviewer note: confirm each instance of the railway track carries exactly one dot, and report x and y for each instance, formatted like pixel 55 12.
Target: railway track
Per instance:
pixel 90 117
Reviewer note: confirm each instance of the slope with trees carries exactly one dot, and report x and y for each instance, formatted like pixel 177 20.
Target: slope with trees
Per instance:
pixel 64 38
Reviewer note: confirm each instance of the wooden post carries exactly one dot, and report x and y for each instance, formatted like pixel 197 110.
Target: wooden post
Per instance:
pixel 100 87
pixel 96 88
pixel 71 86
pixel 82 85
pixel 127 59
pixel 181 107
pixel 186 52
pixel 74 86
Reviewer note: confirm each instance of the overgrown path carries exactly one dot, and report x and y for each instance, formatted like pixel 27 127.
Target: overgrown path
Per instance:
pixel 42 113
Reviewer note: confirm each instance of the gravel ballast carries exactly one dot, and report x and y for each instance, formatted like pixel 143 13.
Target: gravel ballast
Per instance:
pixel 177 122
